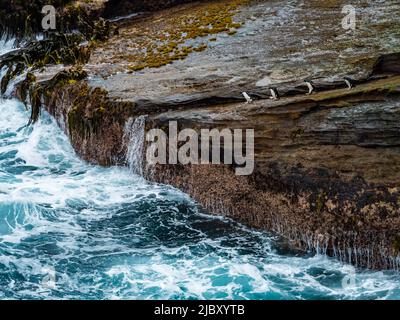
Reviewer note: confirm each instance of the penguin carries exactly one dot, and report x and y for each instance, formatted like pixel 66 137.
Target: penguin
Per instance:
pixel 274 94
pixel 349 82
pixel 247 97
pixel 310 85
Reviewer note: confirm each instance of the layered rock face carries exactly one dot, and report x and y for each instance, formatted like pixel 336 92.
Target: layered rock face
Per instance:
pixel 327 165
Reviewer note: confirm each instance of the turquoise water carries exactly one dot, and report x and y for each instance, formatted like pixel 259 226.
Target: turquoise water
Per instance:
pixel 69 230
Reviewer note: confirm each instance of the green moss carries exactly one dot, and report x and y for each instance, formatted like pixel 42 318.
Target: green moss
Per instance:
pixel 88 111
pixel 164 47
pixel 200 48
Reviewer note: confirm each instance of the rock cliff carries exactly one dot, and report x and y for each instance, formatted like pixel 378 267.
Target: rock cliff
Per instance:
pixel 327 165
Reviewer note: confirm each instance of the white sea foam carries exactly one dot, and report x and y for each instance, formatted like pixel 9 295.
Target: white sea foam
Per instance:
pixel 6 46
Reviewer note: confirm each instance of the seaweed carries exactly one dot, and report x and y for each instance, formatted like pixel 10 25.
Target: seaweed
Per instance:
pixel 39 92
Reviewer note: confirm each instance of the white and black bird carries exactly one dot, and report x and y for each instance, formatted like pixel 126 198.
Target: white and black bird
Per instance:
pixel 349 82
pixel 247 97
pixel 274 94
pixel 310 86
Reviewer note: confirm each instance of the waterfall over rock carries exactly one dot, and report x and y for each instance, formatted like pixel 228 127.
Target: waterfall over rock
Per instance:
pixel 134 137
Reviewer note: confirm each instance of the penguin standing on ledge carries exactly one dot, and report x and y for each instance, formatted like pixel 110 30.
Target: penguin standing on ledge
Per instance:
pixel 349 82
pixel 274 94
pixel 247 97
pixel 310 86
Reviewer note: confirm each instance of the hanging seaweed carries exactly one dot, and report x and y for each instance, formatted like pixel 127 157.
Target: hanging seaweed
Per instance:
pixel 39 92
pixel 72 43
pixel 21 19
pixel 35 94
pixel 59 49
pixel 11 73
pixel 23 87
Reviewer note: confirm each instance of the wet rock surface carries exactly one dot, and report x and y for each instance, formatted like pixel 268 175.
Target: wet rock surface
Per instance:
pixel 327 173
